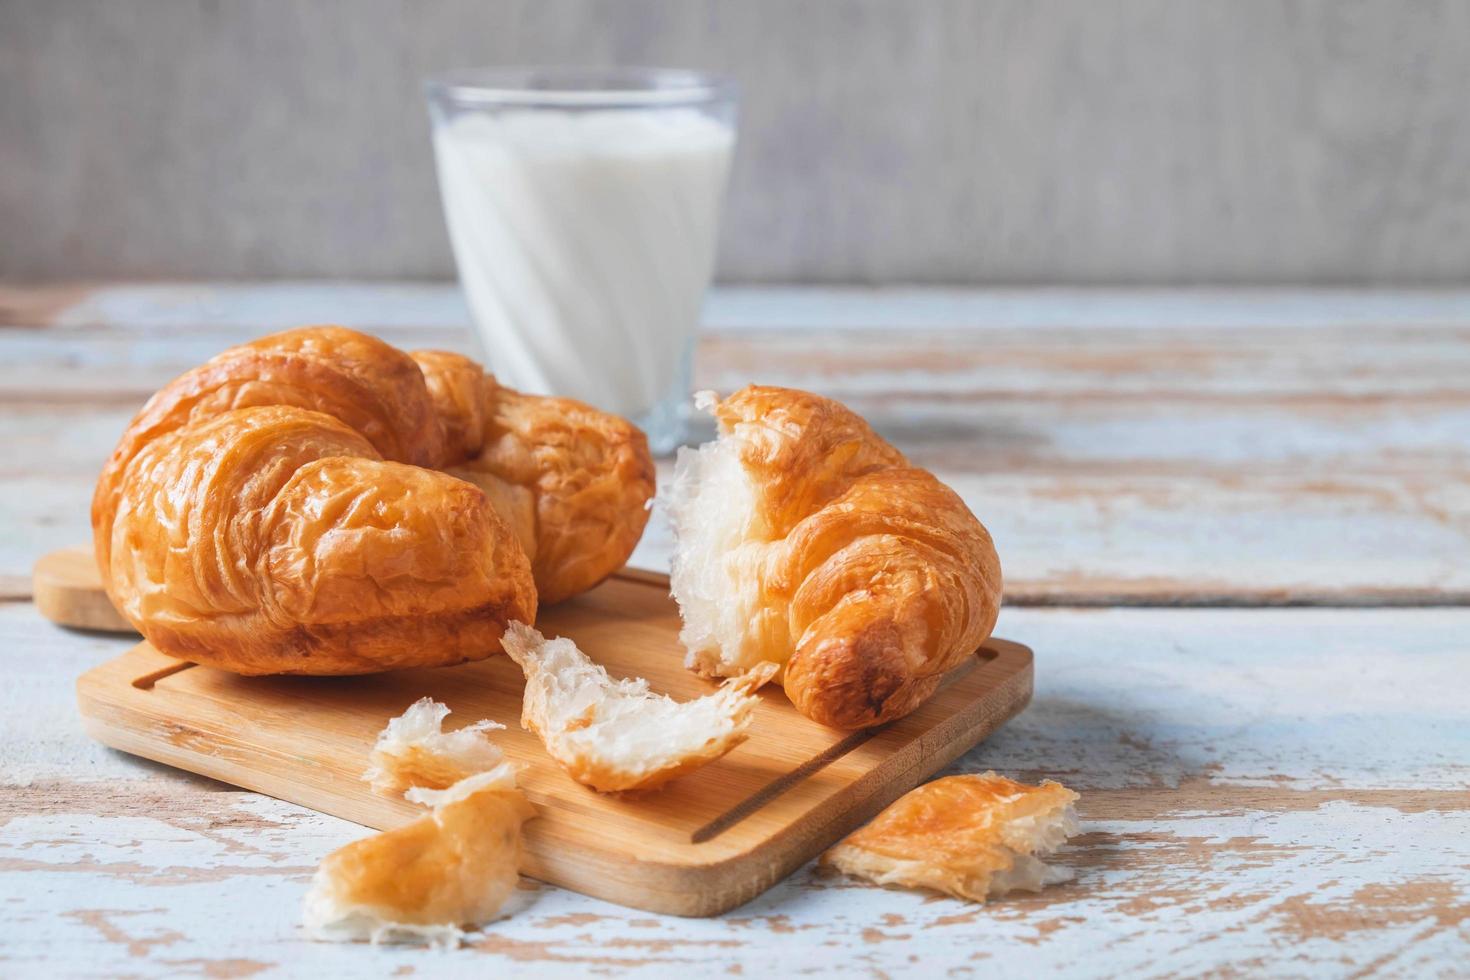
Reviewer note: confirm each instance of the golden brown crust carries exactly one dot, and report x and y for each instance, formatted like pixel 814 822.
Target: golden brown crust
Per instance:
pixel 800 449
pixel 371 386
pixel 274 540
pixel 317 537
pixel 573 482
pixel 972 836
pixel 460 390
pixel 249 518
pixel 883 576
pixel 453 867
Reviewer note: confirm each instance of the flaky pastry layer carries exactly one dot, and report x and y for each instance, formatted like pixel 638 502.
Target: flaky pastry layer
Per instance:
pixel 617 735
pixel 971 836
pixel 449 870
pixel 415 751
pixel 805 539
pixel 283 507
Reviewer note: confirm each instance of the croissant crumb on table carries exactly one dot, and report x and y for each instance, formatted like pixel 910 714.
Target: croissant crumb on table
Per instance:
pixel 283 508
pixel 805 539
pixel 971 836
pixel 617 735
pixel 451 869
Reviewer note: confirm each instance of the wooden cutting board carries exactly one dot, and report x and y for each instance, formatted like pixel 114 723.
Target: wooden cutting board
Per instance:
pixel 67 590
pixel 705 843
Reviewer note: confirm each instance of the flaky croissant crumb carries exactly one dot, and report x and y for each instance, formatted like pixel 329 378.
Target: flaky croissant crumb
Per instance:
pixel 453 867
pixel 972 836
pixel 618 735
pixel 414 751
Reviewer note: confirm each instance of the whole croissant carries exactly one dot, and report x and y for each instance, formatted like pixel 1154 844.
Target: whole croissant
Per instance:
pixel 281 509
pixel 805 539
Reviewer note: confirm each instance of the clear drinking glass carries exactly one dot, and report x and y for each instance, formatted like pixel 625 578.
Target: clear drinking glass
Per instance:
pixel 583 206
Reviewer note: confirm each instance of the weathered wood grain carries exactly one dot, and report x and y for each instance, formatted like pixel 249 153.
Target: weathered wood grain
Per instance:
pixel 1278 791
pixel 1187 449
pixel 1266 791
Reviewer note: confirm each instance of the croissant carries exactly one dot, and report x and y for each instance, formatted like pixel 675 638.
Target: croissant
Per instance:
pixel 805 539
pixel 280 509
pixel 573 483
pixel 365 383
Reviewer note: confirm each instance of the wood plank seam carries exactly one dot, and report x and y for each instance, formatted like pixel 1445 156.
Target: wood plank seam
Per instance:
pixel 67 591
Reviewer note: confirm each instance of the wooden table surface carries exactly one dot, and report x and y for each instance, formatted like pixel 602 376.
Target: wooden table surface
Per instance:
pixel 1235 527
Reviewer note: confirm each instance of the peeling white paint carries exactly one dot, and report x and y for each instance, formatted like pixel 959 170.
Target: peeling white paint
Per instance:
pixel 1182 895
pixel 1229 823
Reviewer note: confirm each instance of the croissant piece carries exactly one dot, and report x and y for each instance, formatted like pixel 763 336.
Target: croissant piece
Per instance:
pixel 971 836
pixel 573 483
pixel 805 539
pixel 451 868
pixel 616 735
pixel 414 750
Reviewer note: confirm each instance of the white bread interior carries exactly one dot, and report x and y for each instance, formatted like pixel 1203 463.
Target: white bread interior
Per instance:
pixel 617 735
pixel 714 569
pixel 414 750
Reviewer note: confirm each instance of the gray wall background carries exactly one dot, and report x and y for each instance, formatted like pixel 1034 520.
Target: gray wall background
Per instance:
pixel 923 141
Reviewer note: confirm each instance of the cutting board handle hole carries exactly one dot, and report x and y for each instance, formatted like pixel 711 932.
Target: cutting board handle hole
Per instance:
pixel 146 682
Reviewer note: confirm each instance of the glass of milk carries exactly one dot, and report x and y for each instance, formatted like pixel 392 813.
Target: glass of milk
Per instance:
pixel 583 206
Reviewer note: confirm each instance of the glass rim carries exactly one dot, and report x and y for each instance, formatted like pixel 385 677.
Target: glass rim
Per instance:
pixel 568 87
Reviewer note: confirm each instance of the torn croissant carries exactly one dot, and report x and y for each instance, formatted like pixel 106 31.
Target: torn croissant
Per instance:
pixel 616 735
pixel 972 836
pixel 803 537
pixel 451 868
pixel 414 750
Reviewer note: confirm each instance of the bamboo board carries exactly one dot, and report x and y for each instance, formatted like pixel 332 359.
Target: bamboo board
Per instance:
pixel 708 842
pixel 67 590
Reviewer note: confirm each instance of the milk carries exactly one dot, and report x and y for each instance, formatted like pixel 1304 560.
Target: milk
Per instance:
pixel 585 241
